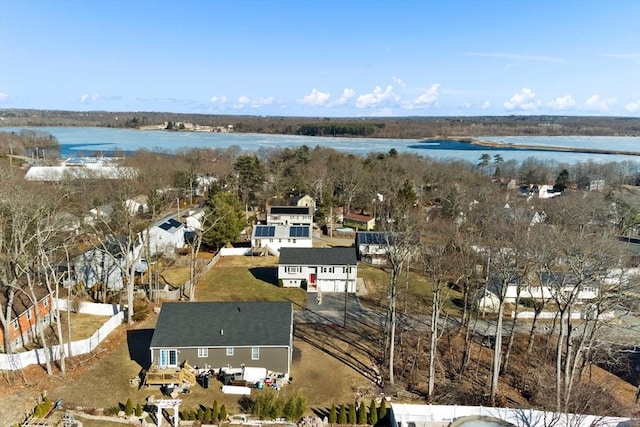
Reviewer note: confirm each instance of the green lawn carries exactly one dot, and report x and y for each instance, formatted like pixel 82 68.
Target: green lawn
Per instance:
pixel 246 279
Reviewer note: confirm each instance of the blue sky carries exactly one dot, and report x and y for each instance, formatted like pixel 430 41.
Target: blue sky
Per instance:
pixel 323 58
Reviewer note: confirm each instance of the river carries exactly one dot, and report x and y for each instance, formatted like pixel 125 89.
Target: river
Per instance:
pixel 87 140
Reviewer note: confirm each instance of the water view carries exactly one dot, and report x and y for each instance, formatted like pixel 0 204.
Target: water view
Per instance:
pixel 81 141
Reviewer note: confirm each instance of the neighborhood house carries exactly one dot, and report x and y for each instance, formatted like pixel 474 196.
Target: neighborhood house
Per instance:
pixel 273 237
pixel 224 335
pixel 318 269
pixel 373 246
pixel 23 321
pixel 294 215
pixel 358 221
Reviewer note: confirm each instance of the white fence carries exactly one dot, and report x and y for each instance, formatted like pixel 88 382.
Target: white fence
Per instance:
pixel 17 361
pixel 87 307
pixel 407 414
pixel 550 315
pixel 234 251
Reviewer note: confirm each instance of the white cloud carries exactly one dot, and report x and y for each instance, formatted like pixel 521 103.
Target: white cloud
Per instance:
pixel 87 99
pixel 347 94
pixel 3 96
pixel 245 101
pixel 316 98
pixel 469 105
pixel 398 81
pixel 522 101
pixel 218 100
pixel 562 103
pixel 632 107
pixel 376 97
pixel 428 97
pixel 596 104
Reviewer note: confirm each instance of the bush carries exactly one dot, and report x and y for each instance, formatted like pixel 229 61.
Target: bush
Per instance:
pixel 373 413
pixel 352 414
pixel 343 414
pixel 223 413
pixel 128 407
pixel 140 311
pixel 362 413
pixel 332 415
pixel 138 410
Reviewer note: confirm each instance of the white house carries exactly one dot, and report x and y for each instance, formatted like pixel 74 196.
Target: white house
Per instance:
pixel 294 215
pixel 274 237
pixel 372 247
pixel 318 269
pixel 542 287
pixel 165 236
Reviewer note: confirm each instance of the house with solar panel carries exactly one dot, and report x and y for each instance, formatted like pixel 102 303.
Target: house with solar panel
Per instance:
pixel 165 236
pixel 271 238
pixel 255 334
pixel 318 269
pixel 373 247
pixel 294 215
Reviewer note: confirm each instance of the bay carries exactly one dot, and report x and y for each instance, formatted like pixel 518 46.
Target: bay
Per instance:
pixel 77 141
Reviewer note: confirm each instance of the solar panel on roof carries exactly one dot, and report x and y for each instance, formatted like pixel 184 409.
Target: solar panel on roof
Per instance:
pixel 299 231
pixel 265 231
pixel 165 226
pixel 174 222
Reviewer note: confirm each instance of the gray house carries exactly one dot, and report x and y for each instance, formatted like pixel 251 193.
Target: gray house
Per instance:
pixel 224 334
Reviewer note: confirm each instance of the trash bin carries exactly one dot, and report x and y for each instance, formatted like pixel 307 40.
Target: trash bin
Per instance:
pixel 205 381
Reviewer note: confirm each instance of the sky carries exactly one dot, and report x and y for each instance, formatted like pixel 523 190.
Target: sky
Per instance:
pixel 323 58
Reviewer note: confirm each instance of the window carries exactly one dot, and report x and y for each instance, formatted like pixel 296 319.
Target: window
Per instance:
pixel 255 353
pixel 45 302
pixel 292 269
pixel 169 357
pixel 29 314
pixel 229 351
pixel 203 352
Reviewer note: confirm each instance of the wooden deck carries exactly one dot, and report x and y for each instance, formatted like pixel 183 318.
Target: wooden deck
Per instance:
pixel 181 375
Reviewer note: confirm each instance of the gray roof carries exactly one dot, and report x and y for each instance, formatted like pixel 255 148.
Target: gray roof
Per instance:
pixel 318 256
pixel 223 324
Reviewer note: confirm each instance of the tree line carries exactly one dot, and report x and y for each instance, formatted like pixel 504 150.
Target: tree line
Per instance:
pixel 378 127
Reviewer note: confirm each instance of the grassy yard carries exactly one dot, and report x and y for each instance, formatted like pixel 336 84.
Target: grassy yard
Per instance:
pixel 414 291
pixel 246 279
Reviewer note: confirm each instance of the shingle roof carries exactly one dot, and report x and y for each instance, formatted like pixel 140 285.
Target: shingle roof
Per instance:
pixel 223 324
pixel 318 256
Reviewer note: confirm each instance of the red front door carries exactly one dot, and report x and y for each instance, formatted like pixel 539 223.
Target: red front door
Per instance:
pixel 312 278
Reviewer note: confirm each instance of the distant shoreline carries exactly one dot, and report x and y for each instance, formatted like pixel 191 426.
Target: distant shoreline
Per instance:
pixel 511 146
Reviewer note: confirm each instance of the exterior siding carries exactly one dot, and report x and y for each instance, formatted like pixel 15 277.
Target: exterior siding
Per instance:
pixel 275 359
pixel 328 278
pixel 26 329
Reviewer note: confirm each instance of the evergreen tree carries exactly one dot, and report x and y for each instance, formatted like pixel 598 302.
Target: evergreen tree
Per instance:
pixel 128 407
pixel 352 414
pixel 373 413
pixel 215 412
pixel 138 409
pixel 343 414
pixel 200 414
pixel 207 414
pixel 332 415
pixel 223 413
pixel 226 220
pixel 382 412
pixel 362 413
